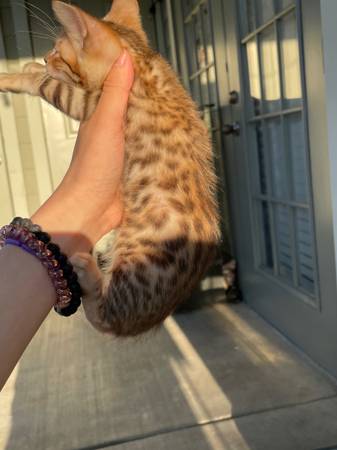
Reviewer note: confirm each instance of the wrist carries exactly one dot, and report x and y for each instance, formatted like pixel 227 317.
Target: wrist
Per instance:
pixel 73 224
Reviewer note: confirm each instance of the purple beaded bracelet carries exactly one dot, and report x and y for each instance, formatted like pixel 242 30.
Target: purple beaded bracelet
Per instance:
pixel 25 239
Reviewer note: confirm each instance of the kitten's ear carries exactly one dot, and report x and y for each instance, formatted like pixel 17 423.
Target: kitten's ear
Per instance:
pixel 73 20
pixel 127 13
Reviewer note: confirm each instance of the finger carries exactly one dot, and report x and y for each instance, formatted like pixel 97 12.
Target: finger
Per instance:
pixel 116 88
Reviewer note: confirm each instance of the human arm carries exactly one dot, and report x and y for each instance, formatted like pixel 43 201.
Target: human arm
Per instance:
pixel 87 204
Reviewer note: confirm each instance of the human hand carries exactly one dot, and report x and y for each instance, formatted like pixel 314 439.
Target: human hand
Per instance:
pixel 89 201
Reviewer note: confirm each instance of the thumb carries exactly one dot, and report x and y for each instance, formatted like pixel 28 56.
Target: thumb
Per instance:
pixel 117 86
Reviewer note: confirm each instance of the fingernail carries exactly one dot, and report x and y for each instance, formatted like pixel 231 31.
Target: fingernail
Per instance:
pixel 121 59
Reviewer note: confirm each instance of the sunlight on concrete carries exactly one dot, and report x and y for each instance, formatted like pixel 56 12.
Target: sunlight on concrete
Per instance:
pixel 257 347
pixel 199 387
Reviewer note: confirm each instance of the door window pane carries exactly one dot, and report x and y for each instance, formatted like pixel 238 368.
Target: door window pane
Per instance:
pixel 191 43
pixel 291 72
pixel 283 4
pixel 305 245
pixel 212 86
pixel 201 52
pixel 188 6
pixel 295 142
pixel 207 33
pixel 248 16
pixel 254 76
pixel 270 70
pixel 204 89
pixel 195 90
pixel 267 259
pixel 261 159
pixel 283 240
pixel 278 158
pixel 264 11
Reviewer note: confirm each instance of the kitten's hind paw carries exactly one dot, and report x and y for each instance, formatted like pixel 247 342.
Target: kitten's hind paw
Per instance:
pixel 89 276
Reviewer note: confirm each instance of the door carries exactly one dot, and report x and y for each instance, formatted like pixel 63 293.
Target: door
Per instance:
pixel 60 131
pixel 280 201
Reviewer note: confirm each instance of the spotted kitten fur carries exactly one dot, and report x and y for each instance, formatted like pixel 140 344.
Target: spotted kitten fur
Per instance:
pixel 169 231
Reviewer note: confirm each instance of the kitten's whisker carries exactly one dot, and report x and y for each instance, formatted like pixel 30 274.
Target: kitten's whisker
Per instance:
pixel 47 26
pixel 52 22
pixel 35 34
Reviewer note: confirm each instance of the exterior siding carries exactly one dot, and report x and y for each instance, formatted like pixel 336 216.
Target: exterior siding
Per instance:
pixel 16 51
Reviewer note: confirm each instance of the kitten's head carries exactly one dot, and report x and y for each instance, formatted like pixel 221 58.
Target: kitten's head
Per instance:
pixel 88 46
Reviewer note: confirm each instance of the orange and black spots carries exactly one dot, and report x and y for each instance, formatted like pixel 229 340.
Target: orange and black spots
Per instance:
pixel 158 289
pixel 161 259
pixel 124 236
pixel 131 222
pixel 174 280
pixel 129 246
pixel 122 293
pixel 119 276
pixel 168 183
pixel 136 210
pixel 172 164
pixel 140 267
pixel 157 142
pixel 177 205
pixel 185 186
pixel 143 182
pixel 184 227
pixel 198 226
pixel 198 254
pixel 172 149
pixel 151 158
pixel 174 245
pixel 158 220
pixel 145 200
pixel 133 162
pixel 185 174
pixel 142 279
pixel 182 265
pixel 148 243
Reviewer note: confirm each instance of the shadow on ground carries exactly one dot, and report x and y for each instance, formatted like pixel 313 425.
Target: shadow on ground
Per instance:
pixel 219 378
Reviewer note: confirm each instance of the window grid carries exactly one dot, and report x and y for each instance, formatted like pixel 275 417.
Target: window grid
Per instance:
pixel 267 207
pixel 201 62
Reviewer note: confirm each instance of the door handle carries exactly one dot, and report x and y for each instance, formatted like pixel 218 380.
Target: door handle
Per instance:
pixel 233 128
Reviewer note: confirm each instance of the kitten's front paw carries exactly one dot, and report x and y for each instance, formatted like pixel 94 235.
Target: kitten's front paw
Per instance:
pixel 89 276
pixel 4 82
pixel 34 67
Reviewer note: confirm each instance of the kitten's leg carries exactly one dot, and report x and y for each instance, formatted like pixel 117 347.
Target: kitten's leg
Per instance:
pixel 34 67
pixel 27 82
pixel 91 281
pixel 34 80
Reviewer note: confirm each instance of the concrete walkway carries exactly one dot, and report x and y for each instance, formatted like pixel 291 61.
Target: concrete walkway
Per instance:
pixel 219 378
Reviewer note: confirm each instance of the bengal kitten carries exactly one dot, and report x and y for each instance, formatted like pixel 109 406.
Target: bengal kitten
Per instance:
pixel 169 231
